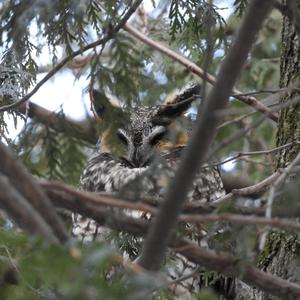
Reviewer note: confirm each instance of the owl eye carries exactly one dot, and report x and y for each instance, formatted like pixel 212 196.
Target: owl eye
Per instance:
pixel 122 136
pixel 157 135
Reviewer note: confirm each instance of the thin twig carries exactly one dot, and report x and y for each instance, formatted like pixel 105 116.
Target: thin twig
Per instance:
pixel 241 219
pixel 111 33
pixel 191 66
pixel 256 188
pixel 272 91
pixel 272 102
pixel 277 183
pixel 242 132
pixel 271 196
pixel 252 153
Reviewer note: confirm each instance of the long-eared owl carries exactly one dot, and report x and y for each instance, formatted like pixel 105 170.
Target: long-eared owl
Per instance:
pixel 151 140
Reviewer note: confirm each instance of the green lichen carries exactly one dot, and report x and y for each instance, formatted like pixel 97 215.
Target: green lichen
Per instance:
pixel 279 241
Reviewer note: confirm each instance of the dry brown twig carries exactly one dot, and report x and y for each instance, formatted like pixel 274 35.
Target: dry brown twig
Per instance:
pixel 224 264
pixel 83 130
pixel 271 196
pixel 104 201
pixel 242 132
pixel 139 227
pixel 235 267
pixel 278 182
pixel 191 66
pixel 252 153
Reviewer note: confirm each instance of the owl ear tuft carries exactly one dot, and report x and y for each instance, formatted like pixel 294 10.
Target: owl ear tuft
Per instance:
pixel 177 106
pixel 100 104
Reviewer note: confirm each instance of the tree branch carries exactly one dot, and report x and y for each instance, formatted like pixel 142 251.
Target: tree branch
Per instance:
pixel 30 190
pixel 234 267
pixel 262 152
pixel 249 100
pixel 224 264
pixel 81 130
pixel 93 198
pixel 88 207
pixel 253 189
pixel 21 211
pixel 161 230
pixel 285 172
pixel 240 219
pixel 243 131
pixel 69 198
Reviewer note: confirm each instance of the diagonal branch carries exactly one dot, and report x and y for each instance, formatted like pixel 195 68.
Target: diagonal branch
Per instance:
pixel 82 130
pixel 161 230
pixel 30 190
pixel 257 188
pixel 25 216
pixel 111 33
pixel 278 182
pixel 260 152
pixel 234 267
pixel 191 66
pixel 240 219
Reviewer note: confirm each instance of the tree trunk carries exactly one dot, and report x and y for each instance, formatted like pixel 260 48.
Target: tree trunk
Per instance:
pixel 282 250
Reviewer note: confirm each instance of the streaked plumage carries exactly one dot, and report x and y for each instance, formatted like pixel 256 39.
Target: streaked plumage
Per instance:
pixel 152 152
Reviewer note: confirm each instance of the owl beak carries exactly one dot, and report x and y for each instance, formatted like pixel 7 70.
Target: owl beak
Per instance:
pixel 136 160
pixel 127 162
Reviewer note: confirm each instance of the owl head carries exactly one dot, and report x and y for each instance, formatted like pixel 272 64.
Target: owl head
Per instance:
pixel 145 131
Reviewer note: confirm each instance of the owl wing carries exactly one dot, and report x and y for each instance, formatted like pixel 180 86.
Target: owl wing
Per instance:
pixel 207 184
pixel 102 173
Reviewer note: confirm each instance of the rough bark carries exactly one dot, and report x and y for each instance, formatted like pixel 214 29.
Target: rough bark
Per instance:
pixel 289 120
pixel 282 250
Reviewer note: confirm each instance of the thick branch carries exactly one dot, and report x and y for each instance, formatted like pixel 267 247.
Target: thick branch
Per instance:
pixel 70 198
pixel 81 130
pixel 97 199
pixel 224 264
pixel 233 267
pixel 161 230
pixel 91 209
pixel 148 205
pixel 26 186
pixel 21 211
